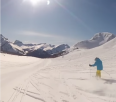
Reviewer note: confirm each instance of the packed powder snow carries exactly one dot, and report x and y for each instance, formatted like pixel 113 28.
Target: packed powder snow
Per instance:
pixel 67 79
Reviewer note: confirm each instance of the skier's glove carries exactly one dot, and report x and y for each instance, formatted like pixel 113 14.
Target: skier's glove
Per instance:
pixel 90 65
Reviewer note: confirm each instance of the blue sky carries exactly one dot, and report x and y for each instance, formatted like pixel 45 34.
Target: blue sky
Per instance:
pixel 62 21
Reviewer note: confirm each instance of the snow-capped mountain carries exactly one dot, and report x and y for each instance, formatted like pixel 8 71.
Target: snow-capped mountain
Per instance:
pixel 9 47
pixel 97 40
pixel 56 49
pixel 19 43
pixel 50 49
pixel 41 50
pixel 46 50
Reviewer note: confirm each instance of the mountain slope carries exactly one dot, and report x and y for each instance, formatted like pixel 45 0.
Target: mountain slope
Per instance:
pixel 50 49
pixel 97 40
pixel 56 49
pixel 8 47
pixel 41 49
pixel 39 53
pixel 62 79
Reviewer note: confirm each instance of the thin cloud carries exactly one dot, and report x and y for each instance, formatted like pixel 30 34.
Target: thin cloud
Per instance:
pixel 31 33
pixel 55 38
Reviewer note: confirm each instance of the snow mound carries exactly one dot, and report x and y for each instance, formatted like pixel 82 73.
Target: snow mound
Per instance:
pixel 97 40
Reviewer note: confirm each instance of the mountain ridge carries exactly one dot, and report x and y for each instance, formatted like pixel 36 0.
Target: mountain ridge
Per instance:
pixel 97 40
pixel 41 50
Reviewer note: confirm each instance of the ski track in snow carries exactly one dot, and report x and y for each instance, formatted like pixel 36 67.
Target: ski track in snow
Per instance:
pixel 67 79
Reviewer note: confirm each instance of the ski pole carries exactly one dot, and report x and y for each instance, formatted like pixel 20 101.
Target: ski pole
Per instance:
pixel 107 73
pixel 90 71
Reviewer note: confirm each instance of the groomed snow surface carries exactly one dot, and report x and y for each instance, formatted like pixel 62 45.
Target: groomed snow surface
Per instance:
pixel 63 79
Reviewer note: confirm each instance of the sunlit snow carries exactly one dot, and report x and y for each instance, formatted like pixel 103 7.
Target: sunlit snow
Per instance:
pixel 63 79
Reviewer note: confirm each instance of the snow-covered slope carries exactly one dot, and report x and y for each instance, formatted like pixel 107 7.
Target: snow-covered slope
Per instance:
pixel 9 47
pixel 97 40
pixel 62 79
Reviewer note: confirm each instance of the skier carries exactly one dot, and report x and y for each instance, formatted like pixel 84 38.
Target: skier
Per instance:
pixel 99 65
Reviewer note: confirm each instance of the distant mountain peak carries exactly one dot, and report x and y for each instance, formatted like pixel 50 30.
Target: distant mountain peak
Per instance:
pixel 41 50
pixel 9 47
pixel 2 37
pixel 17 42
pixel 97 40
pixel 103 36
